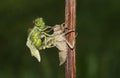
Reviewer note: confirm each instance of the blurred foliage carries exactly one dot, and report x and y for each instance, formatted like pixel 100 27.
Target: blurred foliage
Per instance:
pixel 98 41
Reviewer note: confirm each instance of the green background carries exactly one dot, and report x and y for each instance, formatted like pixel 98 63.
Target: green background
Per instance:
pixel 98 40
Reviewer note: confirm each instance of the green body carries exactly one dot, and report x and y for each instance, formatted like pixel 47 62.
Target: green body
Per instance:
pixel 36 38
pixel 38 34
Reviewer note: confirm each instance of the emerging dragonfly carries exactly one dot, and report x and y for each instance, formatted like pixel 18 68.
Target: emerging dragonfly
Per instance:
pixel 39 39
pixel 37 36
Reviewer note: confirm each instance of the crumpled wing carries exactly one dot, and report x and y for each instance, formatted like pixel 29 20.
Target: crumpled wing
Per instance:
pixel 34 51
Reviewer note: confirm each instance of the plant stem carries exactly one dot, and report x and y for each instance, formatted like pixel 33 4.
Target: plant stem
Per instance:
pixel 70 21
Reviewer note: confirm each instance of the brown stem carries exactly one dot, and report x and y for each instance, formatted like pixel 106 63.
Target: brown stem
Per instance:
pixel 70 21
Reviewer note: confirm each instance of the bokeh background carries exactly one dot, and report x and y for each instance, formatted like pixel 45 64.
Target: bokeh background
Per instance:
pixel 98 40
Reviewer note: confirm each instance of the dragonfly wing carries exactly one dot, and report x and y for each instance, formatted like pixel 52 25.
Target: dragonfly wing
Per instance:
pixel 34 51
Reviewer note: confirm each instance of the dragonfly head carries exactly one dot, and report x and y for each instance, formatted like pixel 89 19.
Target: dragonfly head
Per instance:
pixel 39 23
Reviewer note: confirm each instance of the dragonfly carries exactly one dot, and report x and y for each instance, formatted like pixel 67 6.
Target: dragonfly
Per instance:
pixel 37 36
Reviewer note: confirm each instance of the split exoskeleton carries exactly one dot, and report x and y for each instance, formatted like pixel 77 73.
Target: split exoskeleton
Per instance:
pixel 57 39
